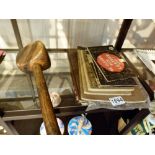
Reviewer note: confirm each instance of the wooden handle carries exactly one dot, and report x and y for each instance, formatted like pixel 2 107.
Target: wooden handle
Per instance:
pixel 48 114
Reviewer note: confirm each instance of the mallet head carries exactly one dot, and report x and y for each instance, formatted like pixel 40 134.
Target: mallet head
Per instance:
pixel 31 54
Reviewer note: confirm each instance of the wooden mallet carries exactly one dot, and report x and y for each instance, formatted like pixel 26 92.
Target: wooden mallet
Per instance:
pixel 34 58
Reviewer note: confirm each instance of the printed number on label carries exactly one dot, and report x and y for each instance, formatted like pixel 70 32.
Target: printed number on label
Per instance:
pixel 115 101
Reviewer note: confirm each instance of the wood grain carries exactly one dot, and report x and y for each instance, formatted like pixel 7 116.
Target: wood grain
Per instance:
pixel 34 53
pixel 46 104
pixel 34 58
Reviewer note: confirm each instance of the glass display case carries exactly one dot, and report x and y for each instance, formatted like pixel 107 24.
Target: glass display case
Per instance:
pixel 18 93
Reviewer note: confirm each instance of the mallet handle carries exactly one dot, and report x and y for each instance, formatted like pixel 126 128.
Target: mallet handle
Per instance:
pixel 48 114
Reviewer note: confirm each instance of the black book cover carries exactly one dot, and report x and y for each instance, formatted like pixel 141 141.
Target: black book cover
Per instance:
pixel 126 73
pixel 124 82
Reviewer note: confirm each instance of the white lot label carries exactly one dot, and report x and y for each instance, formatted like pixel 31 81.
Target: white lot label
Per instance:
pixel 118 100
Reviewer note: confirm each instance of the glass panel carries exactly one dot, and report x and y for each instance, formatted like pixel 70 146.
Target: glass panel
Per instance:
pixel 93 32
pixel 52 32
pixel 70 33
pixel 13 82
pixel 141 34
pixel 18 105
pixel 145 73
pixel 58 77
pixel 7 37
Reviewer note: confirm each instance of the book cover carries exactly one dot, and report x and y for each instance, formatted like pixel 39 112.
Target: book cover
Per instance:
pixel 95 73
pixel 123 82
pixel 92 80
pixel 90 85
pixel 111 65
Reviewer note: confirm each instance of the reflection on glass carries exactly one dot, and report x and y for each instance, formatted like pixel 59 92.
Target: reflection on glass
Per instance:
pixel 18 105
pixel 14 83
pixel 7 37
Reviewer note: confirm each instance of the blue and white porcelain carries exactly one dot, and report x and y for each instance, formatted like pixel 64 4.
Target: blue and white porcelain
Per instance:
pixel 79 125
pixel 60 124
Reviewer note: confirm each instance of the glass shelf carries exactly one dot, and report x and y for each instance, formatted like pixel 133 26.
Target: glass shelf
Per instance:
pixel 143 72
pixel 15 93
pixel 17 97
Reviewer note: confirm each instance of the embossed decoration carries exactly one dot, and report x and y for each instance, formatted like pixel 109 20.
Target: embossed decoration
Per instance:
pixel 110 62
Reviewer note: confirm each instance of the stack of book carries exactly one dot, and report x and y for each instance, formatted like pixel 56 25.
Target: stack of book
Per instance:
pixel 104 74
